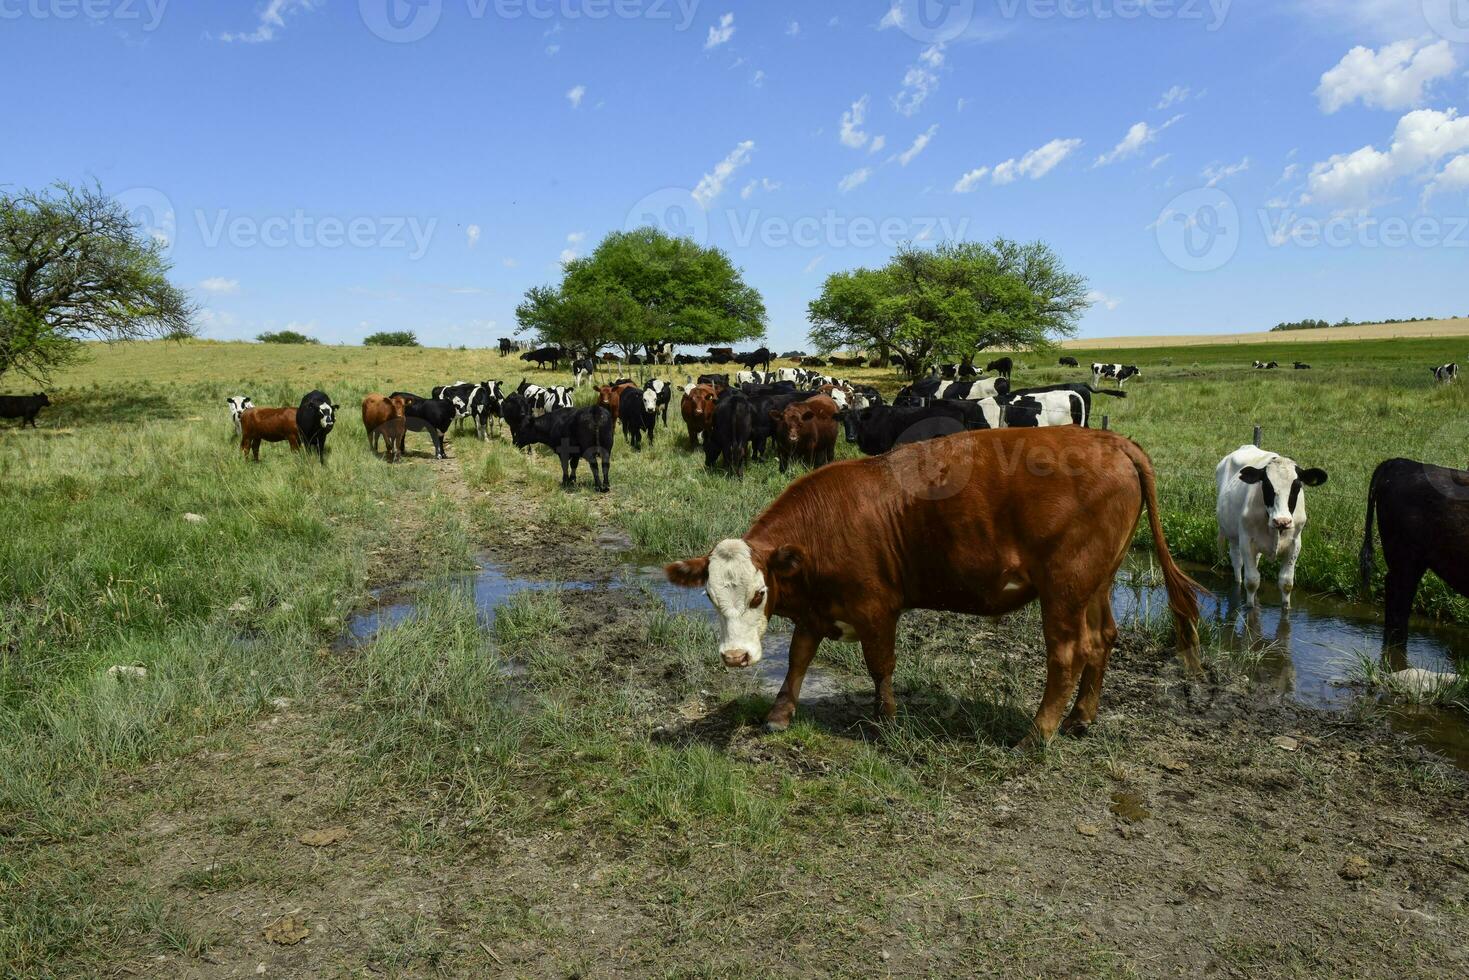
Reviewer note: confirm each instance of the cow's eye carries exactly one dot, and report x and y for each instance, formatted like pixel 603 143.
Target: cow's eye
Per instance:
pixel 759 600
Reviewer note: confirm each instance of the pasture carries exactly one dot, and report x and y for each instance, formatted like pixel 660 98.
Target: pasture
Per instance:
pixel 558 778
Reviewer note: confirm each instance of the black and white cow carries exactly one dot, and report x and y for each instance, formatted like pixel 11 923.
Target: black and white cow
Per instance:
pixel 583 369
pixel 638 412
pixel 1446 373
pixel 975 390
pixel 238 405
pixel 662 395
pixel 1117 372
pixel 315 418
pixel 753 377
pixel 1261 510
pixel 543 400
pixel 1058 405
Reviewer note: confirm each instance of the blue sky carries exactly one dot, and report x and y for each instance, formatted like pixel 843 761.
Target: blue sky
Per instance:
pixel 344 166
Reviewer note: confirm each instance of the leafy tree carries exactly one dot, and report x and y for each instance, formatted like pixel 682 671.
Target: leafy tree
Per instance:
pixel 286 337
pixel 641 287
pixel 74 267
pixel 391 338
pixel 950 302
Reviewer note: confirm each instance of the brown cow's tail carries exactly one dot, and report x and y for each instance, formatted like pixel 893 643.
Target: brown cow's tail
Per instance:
pixel 1183 592
pixel 1366 559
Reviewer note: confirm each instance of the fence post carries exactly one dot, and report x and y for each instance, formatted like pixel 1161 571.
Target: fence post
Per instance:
pixel 1106 422
pixel 1257 437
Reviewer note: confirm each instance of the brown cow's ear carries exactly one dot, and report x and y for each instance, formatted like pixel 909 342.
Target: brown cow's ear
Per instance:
pixel 786 560
pixel 690 574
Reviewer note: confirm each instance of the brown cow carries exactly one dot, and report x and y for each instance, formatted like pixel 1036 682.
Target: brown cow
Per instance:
pixel 978 522
pixel 268 425
pixel 610 398
pixel 698 412
pixel 382 417
pixel 807 431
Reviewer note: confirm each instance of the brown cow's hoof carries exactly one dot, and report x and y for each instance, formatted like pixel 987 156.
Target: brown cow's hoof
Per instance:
pixel 773 727
pixel 1075 727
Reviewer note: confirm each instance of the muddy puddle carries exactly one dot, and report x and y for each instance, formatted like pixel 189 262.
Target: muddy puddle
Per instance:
pixel 1309 655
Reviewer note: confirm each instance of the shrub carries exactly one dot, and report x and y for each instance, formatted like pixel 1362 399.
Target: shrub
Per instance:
pixel 286 337
pixel 391 338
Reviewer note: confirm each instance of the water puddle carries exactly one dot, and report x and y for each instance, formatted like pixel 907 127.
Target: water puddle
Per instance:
pixel 1307 655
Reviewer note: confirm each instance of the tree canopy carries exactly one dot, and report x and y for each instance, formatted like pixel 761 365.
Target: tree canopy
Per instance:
pixel 391 338
pixel 643 287
pixel 286 337
pixel 951 302
pixel 73 266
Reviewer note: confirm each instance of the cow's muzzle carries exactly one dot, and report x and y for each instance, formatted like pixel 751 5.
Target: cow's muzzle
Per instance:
pixel 1282 523
pixel 736 658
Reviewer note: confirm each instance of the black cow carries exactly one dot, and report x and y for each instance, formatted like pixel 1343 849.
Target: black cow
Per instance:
pixel 793 355
pixel 685 359
pixel 507 346
pixel 729 439
pixel 434 416
pixel 1302 366
pixel 638 415
pixel 812 362
pixel 408 397
pixel 1422 514
pixel 964 369
pixel 315 417
pixel 1003 366
pixel 878 429
pixel 755 359
pixel 24 407
pixel 721 355
pixel 717 380
pixel 1069 362
pixel 540 357
pixel 573 433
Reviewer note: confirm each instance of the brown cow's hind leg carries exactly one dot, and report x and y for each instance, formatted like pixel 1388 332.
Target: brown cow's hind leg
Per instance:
pixel 1066 650
pixel 1102 636
pixel 803 648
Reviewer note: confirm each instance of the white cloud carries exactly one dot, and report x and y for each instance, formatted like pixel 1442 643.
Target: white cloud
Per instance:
pixel 552 49
pixel 1393 77
pixel 575 94
pixel 1035 164
pixel 711 185
pixel 758 79
pixel 763 184
pixel 1159 160
pixel 852 120
pixel 1357 179
pixel 1453 177
pixel 571 251
pixel 1215 174
pixel 510 263
pixel 722 33
pixel 893 18
pixel 1098 298
pixel 1138 136
pixel 971 180
pixel 919 145
pixel 854 180
pixel 794 30
pixel 220 285
pixel 814 264
pixel 877 144
pixel 472 235
pixel 920 81
pixel 272 19
pixel 1172 97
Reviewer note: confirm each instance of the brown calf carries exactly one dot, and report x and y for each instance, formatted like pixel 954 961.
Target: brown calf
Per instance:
pixel 978 522
pixel 610 398
pixel 382 417
pixel 268 425
pixel 698 412
pixel 806 431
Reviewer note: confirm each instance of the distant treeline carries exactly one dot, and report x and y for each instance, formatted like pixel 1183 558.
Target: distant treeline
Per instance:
pixel 1319 324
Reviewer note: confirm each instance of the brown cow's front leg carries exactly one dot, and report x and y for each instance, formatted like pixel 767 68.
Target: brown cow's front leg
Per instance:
pixel 878 649
pixel 803 647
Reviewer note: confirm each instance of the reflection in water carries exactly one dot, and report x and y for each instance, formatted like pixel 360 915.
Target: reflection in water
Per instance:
pixel 1306 654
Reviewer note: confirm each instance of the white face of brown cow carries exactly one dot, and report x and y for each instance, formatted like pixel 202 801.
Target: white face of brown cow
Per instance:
pixel 737 589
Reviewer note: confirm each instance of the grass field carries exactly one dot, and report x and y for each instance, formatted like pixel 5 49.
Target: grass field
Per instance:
pixel 578 790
